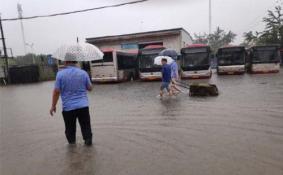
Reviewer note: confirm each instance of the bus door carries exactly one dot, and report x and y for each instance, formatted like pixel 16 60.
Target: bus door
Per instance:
pixel 127 64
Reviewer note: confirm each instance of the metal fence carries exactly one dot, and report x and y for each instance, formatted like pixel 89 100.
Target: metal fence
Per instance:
pixel 23 74
pixel 2 75
pixel 47 72
pixel 29 68
pixel 2 72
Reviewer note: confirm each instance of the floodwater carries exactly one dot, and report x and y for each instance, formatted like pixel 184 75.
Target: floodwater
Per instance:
pixel 240 132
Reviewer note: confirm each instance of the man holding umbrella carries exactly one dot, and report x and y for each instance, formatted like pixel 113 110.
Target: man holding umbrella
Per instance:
pixel 174 67
pixel 72 85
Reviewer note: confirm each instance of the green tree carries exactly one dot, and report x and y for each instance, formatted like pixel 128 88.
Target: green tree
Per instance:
pixel 217 39
pixel 201 38
pixel 220 38
pixel 251 38
pixel 31 58
pixel 273 32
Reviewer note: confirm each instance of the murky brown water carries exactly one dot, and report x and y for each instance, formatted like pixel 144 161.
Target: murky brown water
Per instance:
pixel 239 132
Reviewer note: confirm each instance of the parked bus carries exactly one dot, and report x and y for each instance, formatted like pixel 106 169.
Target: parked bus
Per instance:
pixel 195 62
pixel 231 60
pixel 146 67
pixel 116 66
pixel 105 70
pixel 264 59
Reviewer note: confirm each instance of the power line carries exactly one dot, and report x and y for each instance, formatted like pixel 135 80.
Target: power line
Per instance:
pixel 77 11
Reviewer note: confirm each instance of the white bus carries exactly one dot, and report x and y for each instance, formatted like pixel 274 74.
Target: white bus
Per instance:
pixel 264 59
pixel 195 62
pixel 148 71
pixel 116 66
pixel 231 60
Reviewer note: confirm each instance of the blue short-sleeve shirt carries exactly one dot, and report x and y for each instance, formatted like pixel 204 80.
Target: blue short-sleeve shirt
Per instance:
pixel 166 73
pixel 174 70
pixel 72 83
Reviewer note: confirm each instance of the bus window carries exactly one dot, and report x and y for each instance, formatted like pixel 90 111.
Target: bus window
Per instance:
pixel 264 59
pixel 265 56
pixel 196 59
pixel 108 57
pixel 147 61
pixel 231 58
pixel 126 61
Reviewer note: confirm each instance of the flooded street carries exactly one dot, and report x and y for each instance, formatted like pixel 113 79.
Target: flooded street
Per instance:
pixel 240 132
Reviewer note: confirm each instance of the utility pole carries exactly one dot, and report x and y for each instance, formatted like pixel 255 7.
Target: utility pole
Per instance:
pixel 210 17
pixel 20 14
pixel 5 51
pixel 31 51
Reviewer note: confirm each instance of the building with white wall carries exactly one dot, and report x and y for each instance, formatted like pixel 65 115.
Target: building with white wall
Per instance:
pixel 171 38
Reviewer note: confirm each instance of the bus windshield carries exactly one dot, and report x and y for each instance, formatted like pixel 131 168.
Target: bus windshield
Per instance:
pixel 147 61
pixel 126 61
pixel 195 59
pixel 226 58
pixel 265 56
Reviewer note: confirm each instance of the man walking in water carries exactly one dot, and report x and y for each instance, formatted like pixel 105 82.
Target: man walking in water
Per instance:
pixel 174 76
pixel 166 77
pixel 72 84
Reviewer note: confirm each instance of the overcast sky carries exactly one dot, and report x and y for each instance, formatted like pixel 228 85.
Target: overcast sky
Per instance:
pixel 49 33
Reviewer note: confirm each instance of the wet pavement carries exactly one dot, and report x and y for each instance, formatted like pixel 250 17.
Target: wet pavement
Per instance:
pixel 240 132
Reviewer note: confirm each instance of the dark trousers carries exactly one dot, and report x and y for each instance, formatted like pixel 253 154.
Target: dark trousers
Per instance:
pixel 70 119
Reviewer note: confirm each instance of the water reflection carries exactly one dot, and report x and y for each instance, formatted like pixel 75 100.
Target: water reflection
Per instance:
pixel 238 132
pixel 78 159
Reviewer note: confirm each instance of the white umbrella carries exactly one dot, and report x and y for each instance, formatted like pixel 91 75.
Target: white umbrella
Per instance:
pixel 78 52
pixel 157 60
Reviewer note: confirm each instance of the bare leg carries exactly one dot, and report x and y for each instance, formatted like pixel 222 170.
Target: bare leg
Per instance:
pixel 161 93
pixel 170 92
pixel 174 90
